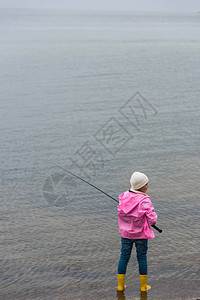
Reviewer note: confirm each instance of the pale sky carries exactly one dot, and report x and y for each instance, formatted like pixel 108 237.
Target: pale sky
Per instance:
pixel 125 5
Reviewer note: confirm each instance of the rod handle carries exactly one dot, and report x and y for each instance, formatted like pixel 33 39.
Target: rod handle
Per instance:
pixel 156 228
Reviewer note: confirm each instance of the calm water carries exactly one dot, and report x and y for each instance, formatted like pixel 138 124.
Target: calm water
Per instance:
pixel 66 78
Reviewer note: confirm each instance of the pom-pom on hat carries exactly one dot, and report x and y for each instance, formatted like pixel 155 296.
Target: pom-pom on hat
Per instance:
pixel 138 180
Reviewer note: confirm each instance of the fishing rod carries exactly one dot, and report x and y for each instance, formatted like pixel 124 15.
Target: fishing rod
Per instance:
pixel 154 226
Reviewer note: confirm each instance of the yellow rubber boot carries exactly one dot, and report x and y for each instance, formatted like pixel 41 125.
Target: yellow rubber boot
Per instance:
pixel 143 283
pixel 121 282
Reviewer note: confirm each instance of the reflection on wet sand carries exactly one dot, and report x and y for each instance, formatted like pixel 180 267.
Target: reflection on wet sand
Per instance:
pixel 143 295
pixel 121 296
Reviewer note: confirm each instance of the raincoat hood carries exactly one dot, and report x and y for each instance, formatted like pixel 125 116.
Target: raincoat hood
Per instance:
pixel 129 200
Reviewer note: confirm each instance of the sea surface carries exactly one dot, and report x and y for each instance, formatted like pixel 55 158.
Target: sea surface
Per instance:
pixel 99 94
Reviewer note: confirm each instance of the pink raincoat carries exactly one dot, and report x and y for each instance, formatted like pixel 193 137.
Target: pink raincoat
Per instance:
pixel 135 215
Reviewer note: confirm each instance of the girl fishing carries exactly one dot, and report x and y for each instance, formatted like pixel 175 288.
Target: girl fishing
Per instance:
pixel 135 215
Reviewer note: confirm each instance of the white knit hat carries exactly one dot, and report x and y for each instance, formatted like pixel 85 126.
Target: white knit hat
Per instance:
pixel 138 180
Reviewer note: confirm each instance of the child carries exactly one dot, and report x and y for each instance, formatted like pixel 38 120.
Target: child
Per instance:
pixel 135 215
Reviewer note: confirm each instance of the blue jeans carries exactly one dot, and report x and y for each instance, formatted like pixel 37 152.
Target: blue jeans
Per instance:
pixel 126 249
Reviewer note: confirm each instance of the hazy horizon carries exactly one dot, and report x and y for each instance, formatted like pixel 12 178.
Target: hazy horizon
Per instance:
pixel 111 5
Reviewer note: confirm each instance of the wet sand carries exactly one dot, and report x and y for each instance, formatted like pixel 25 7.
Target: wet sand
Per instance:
pixel 164 290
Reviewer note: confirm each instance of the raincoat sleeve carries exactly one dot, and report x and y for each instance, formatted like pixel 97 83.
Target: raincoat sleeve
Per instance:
pixel 150 213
